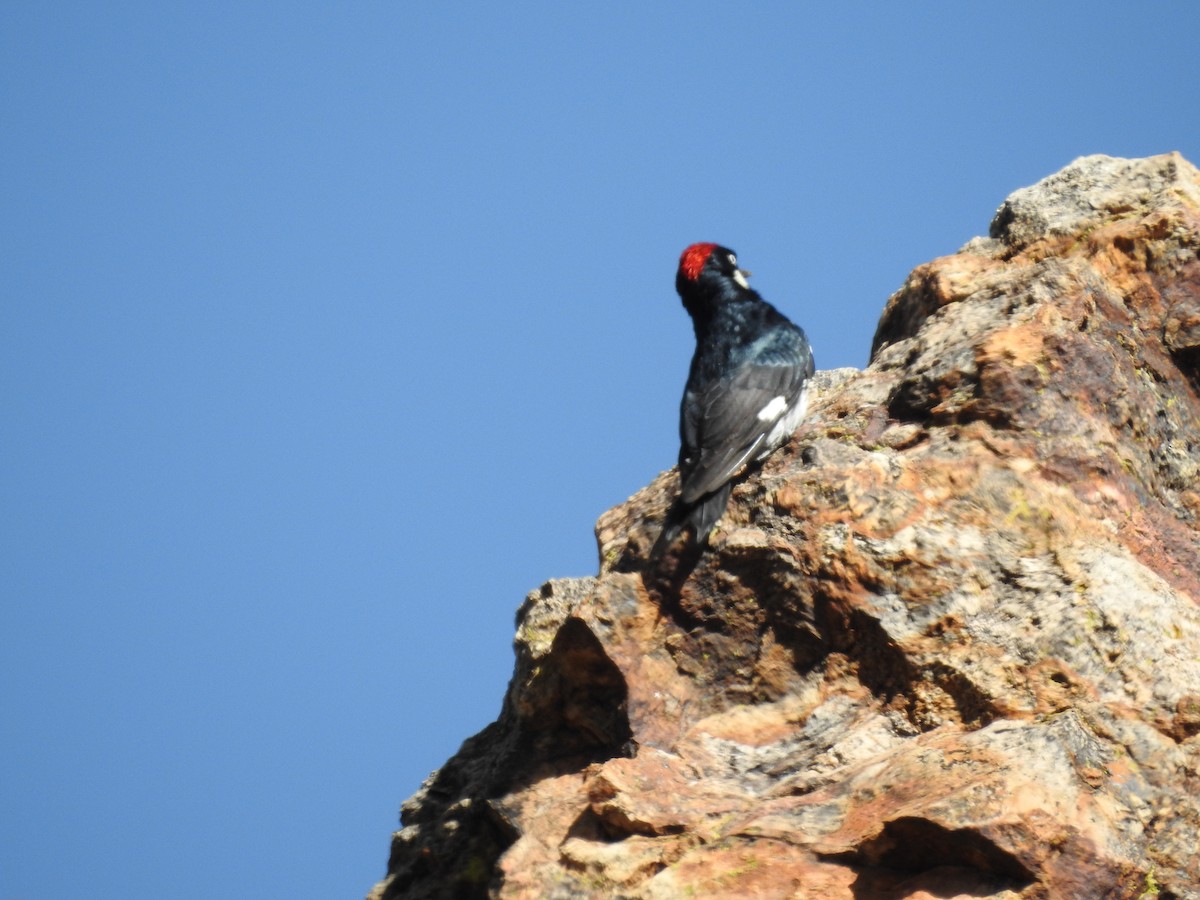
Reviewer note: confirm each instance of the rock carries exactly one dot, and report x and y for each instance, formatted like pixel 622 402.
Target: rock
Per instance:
pixel 1091 191
pixel 944 643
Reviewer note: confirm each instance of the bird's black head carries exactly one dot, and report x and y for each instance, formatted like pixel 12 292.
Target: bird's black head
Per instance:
pixel 707 272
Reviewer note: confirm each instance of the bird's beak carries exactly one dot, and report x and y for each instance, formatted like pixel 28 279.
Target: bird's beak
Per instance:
pixel 740 276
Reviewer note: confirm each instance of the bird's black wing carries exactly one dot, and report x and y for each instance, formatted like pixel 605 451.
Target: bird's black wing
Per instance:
pixel 724 422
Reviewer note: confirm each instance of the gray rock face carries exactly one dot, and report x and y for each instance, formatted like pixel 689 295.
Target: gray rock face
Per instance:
pixel 946 642
pixel 1092 190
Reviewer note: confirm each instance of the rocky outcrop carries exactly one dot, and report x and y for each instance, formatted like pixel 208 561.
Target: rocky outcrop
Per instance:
pixel 944 643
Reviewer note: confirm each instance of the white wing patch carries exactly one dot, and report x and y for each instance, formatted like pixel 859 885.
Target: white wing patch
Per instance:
pixel 783 429
pixel 773 410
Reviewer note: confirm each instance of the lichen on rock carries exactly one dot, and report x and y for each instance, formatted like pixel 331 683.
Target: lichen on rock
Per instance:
pixel 946 642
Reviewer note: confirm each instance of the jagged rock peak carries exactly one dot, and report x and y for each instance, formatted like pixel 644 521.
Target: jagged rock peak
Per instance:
pixel 946 642
pixel 1094 189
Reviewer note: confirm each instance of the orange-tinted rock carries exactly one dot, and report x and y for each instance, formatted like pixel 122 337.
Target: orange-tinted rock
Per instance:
pixel 945 643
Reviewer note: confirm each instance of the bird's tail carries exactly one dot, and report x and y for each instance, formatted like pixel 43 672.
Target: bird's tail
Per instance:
pixel 700 515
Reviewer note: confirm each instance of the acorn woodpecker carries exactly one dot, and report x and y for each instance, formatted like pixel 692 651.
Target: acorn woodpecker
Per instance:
pixel 747 389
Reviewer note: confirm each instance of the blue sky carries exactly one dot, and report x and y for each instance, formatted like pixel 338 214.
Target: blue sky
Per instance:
pixel 328 331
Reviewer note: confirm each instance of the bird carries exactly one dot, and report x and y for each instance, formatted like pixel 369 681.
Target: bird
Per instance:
pixel 747 387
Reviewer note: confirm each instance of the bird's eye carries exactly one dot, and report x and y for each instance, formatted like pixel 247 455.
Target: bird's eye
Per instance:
pixel 733 260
